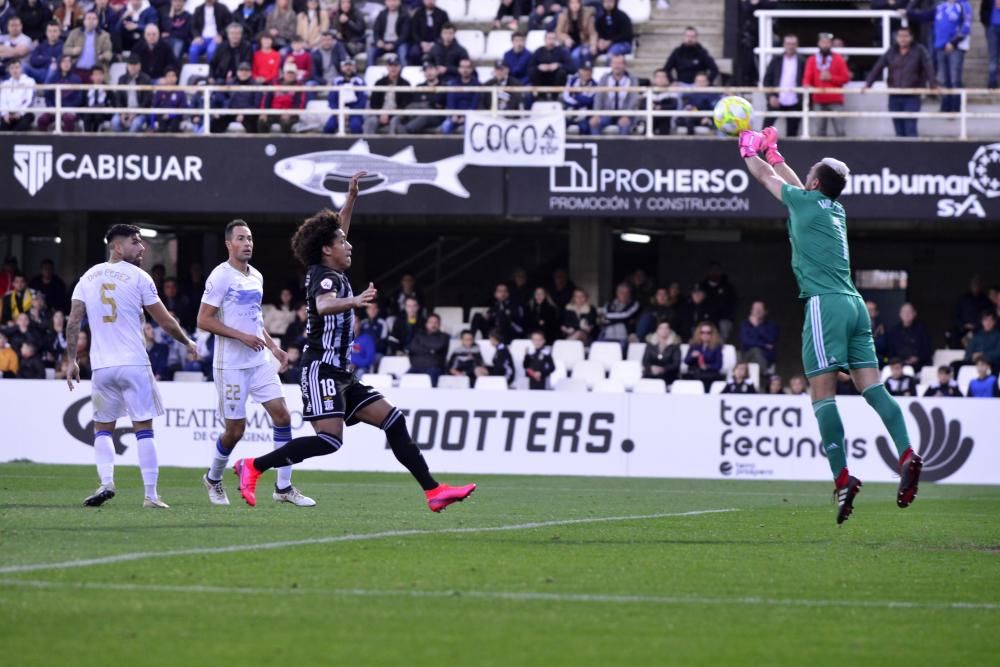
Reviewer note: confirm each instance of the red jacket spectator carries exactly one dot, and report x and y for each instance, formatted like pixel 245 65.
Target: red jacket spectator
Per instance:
pixel 266 65
pixel 839 75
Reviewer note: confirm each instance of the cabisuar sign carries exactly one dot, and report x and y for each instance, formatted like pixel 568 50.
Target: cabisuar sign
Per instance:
pixel 687 178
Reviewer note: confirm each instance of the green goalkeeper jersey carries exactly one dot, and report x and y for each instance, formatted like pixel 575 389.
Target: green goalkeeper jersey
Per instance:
pixel 817 228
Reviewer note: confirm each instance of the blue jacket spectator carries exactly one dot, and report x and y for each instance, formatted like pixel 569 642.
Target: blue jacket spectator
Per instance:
pixel 169 99
pixel 175 28
pixel 239 99
pixel 44 59
pixel 107 17
pixel 461 101
pixel 759 337
pixel 985 383
pixel 908 340
pixel 353 99
pixel 251 16
pixel 70 98
pixel 704 357
pixel 518 59
pixel 986 341
pixel 363 353
pixel 952 26
pixel 580 100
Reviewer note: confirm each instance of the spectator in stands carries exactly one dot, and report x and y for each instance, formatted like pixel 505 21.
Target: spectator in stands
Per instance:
pixel 102 101
pixel 614 30
pixel 277 316
pixel 508 14
pixel 448 53
pixel 878 331
pixel 721 297
pixel 542 314
pixel 327 58
pixel 132 98
pixel 425 24
pixel 347 82
pixel 746 62
pixel 579 318
pixel 690 58
pixel 662 358
pixel 39 314
pixel 989 14
pixel 17 95
pixel 580 100
pixel 969 313
pixel 618 77
pixel 642 286
pixel 69 15
pixel 983 386
pixel 909 66
pixel 704 357
pixel 267 63
pixel 897 383
pixel 461 101
pixel 51 285
pixel 70 98
pixel 15 46
pixel 429 349
pixel 503 362
pixel 390 33
pixel 252 17
pixel 562 288
pixel 291 102
pixel 240 99
pixel 538 362
pixel 34 16
pixel 908 339
pixel 9 363
pixel 154 54
pixel 467 359
pixel 503 316
pixel 697 309
pixel 280 25
pixel 7 10
pixel 544 13
pixel 176 25
pixel 131 22
pixel 158 273
pixel 423 99
pixel 518 58
pixel 576 31
pixel 292 374
pixel 24 331
pixel 302 59
pixel 55 346
pixel 798 385
pixel 740 382
pixel 295 334
pixel 44 59
pixel 696 100
pixel 178 304
pixel 621 316
pixel 759 337
pixel 662 309
pixel 31 366
pixel 986 341
pixel 396 303
pixel 374 324
pixel 786 73
pixel 89 46
pixel 389 100
pixel 157 352
pixel 826 69
pixel 945 386
pixel 775 385
pixel 107 17
pixel 952 26
pixel 520 292
pixel 312 23
pixel 229 54
pixel 350 23
pixel 7 273
pixel 363 353
pixel 406 326
pixel 549 65
pixel 501 79
pixel 664 99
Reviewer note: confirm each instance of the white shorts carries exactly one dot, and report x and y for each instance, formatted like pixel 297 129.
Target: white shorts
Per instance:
pixel 120 391
pixel 236 385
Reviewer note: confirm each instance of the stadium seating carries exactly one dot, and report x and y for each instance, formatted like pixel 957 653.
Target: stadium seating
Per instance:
pixel 639 11
pixel 377 380
pixel 116 70
pixel 728 359
pixel 535 40
pixel 482 10
pixel 695 387
pixel 451 319
pixel 928 376
pixel 966 374
pixel 497 44
pixel 571 385
pixel 542 108
pixel 946 357
pixel 606 352
pixel 414 74
pixel 316 114
pixel 395 366
pixel 491 383
pixel 569 352
pixel 484 73
pixel 717 387
pixel 189 376
pixel 626 372
pixel 474 42
pixel 636 351
pixel 456 9
pixel 684 354
pixel 650 386
pixel 454 382
pixel 187 72
pixel 887 371
pixel 415 381
pixel 589 371
pixel 518 349
pixel 487 350
pixel 373 73
pixel 609 386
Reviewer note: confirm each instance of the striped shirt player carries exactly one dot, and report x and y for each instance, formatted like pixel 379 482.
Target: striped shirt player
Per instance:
pixel 332 395
pixel 231 310
pixel 113 296
pixel 837 331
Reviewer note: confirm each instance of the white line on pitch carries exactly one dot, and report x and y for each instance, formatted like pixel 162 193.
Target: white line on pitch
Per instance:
pixel 516 596
pixel 358 537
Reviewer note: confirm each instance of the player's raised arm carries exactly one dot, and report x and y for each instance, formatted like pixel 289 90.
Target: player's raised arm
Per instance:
pixel 769 146
pixel 76 312
pixel 750 144
pixel 352 195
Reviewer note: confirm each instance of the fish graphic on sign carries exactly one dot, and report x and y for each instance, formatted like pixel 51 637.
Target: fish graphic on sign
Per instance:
pixel 328 173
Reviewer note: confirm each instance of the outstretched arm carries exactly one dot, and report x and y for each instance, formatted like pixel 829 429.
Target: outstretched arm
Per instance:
pixel 769 145
pixel 348 207
pixel 766 176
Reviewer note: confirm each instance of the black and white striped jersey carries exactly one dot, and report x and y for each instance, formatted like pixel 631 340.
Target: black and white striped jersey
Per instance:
pixel 329 338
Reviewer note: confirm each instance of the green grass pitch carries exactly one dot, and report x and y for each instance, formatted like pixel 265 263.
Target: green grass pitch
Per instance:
pixel 523 573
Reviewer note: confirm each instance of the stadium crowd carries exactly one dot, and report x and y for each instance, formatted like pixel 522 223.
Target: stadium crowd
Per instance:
pixel 684 333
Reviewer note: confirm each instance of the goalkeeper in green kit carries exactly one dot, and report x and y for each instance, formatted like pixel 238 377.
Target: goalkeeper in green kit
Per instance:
pixel 837 332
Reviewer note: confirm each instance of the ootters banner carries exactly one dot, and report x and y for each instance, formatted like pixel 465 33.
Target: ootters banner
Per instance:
pixel 607 177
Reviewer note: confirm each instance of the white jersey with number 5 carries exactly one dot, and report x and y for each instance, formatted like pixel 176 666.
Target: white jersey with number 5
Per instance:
pixel 238 297
pixel 114 294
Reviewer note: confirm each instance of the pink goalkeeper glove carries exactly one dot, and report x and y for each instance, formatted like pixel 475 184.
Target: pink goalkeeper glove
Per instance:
pixel 750 143
pixel 769 145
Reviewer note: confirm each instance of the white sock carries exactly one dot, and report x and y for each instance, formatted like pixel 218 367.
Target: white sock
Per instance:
pixel 282 435
pixel 104 456
pixel 148 465
pixel 219 461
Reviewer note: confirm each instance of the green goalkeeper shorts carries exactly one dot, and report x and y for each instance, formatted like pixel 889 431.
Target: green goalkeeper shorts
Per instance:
pixel 837 335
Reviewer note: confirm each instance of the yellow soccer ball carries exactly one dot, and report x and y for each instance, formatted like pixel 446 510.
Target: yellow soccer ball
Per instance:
pixel 732 115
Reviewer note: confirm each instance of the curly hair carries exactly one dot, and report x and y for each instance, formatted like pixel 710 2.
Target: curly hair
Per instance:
pixel 318 231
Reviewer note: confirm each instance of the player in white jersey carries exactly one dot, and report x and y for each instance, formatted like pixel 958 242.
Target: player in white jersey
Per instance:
pixel 231 309
pixel 112 295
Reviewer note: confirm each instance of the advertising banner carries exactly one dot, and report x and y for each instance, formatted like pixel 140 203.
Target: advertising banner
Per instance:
pixel 545 433
pixel 535 141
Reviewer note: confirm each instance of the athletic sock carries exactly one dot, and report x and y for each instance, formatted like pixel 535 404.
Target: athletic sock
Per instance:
pixel 888 409
pixel 220 459
pixel 104 456
pixel 298 450
pixel 148 465
pixel 406 450
pixel 831 430
pixel 282 436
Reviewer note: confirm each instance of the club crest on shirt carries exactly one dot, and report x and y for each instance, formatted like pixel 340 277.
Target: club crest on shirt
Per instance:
pixel 326 283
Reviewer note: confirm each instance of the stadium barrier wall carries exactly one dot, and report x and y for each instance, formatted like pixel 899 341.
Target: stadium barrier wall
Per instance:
pixel 543 433
pixel 685 178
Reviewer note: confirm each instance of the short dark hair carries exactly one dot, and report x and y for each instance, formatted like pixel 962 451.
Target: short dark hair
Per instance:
pixel 895 360
pixel 464 332
pixel 171 279
pixel 433 316
pixel 989 313
pixel 448 26
pixel 495 333
pixel 49 262
pixel 233 224
pixel 312 235
pixel 119 231
pixel 904 27
pixel 52 22
pixel 944 369
pixel 830 182
pixel 520 34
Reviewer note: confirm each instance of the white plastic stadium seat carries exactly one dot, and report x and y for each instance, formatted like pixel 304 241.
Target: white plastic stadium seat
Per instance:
pixel 966 374
pixel 451 319
pixel 636 351
pixel 187 71
pixel 473 41
pixel 482 10
pixel 606 352
pixel 50 374
pixel 414 74
pixel 590 372
pixel 945 357
pixel 497 42
pixel 600 72
pixel 637 10
pixel 560 373
pixel 189 376
pixel 453 344
pixel 572 385
pixel 717 387
pixel 684 354
pixel 454 8
pixel 116 71
pixel 415 381
pixel 687 387
pixel 609 387
pixel 518 349
pixel 487 350
pixel 484 73
pixel 626 372
pixel 569 352
pixel 650 386
pixel 377 380
pixel 753 373
pixel 887 371
pixel 542 108
pixel 491 383
pixel 374 72
pixel 928 376
pixel 454 382
pixel 395 366
pixel 728 359
pixel 316 114
pixel 535 40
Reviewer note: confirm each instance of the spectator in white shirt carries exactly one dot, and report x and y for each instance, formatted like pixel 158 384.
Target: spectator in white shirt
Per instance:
pixel 785 72
pixel 17 94
pixel 15 45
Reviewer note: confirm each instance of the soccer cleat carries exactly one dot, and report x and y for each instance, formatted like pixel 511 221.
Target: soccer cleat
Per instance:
pixel 845 498
pixel 444 495
pixel 910 465
pixel 248 476
pixel 155 503
pixel 293 496
pixel 104 493
pixel 216 492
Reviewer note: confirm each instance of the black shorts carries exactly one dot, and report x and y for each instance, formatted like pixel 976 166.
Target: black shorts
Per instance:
pixel 329 392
